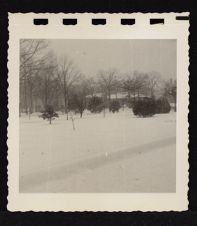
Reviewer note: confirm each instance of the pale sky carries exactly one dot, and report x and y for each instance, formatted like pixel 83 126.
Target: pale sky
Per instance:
pixel 91 56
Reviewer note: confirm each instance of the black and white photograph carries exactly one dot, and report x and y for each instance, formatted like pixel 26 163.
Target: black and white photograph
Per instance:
pixel 97 115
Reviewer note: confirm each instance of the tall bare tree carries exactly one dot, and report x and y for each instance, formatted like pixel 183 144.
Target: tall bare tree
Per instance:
pixel 31 59
pixel 68 76
pixel 107 81
pixel 154 80
pixel 31 48
pixel 92 86
pixel 135 84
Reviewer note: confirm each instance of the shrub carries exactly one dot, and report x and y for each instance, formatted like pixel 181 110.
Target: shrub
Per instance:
pixel 162 106
pixel 114 106
pixel 99 108
pixel 49 114
pixel 77 103
pixel 95 104
pixel 145 107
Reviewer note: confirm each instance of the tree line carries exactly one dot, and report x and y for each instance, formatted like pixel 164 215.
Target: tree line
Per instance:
pixel 46 80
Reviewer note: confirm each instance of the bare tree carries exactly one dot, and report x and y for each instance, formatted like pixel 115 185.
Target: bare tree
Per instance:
pixel 127 85
pixel 68 76
pixel 37 80
pixel 117 87
pixel 107 81
pixel 139 83
pixel 31 59
pixel 31 48
pixel 153 82
pixel 134 84
pixel 92 86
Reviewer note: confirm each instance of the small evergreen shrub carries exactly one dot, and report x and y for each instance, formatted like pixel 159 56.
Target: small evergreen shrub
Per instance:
pixel 114 106
pixel 49 114
pixel 95 104
pixel 145 107
pixel 162 106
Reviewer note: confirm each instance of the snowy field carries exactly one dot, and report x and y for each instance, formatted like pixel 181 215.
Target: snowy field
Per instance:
pixel 118 153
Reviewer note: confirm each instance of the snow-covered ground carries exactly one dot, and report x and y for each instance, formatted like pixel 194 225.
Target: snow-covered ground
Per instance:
pixel 118 153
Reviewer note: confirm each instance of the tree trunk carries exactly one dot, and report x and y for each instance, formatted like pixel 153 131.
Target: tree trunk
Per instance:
pixel 31 99
pixel 65 91
pixel 104 102
pixel 50 121
pixel 67 108
pixel 25 94
pixel 46 93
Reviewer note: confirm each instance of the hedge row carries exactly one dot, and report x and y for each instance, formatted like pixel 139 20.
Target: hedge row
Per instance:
pixel 149 106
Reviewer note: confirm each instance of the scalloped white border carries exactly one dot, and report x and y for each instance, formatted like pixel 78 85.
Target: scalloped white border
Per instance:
pixel 21 26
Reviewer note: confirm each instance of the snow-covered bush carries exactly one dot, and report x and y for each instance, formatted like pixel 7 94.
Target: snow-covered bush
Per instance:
pixel 162 106
pixel 95 104
pixel 145 107
pixel 114 106
pixel 49 114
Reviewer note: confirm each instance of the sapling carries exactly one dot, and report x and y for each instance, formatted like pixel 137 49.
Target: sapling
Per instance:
pixel 49 114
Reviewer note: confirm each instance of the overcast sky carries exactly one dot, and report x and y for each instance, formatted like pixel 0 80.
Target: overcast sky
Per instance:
pixel 90 56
